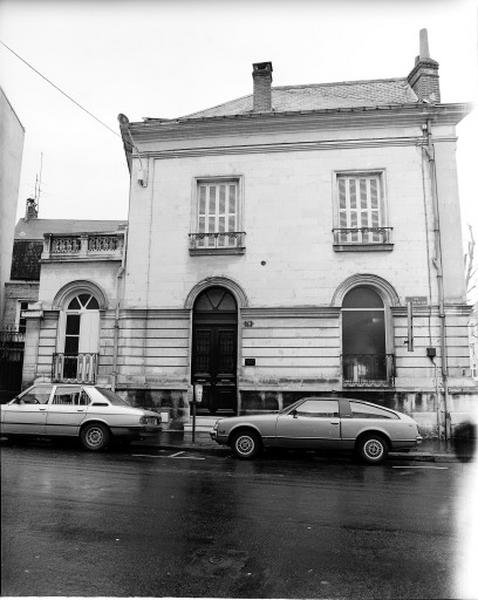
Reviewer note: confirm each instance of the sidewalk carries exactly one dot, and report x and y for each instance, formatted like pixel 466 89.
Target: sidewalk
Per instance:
pixel 432 450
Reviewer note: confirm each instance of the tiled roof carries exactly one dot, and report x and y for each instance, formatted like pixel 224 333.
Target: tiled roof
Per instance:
pixel 33 229
pixel 345 94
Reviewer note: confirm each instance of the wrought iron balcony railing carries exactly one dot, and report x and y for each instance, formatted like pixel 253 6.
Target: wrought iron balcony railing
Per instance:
pixel 229 242
pixel 83 246
pixel 362 236
pixel 75 368
pixel 368 370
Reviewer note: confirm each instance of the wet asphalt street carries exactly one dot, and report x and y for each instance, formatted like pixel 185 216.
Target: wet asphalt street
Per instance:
pixel 161 523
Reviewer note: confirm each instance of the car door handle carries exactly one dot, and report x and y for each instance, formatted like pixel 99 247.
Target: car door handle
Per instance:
pixel 335 422
pixel 80 410
pixel 42 408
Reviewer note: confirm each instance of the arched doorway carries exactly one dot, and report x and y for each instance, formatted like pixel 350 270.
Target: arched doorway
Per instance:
pixel 364 357
pixel 214 349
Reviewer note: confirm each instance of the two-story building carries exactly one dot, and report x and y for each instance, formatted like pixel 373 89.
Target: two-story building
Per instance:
pixel 297 240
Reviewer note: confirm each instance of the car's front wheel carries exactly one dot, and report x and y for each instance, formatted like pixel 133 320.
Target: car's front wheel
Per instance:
pixel 372 448
pixel 246 444
pixel 95 436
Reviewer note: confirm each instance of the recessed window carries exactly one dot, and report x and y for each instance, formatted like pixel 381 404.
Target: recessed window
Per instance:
pixel 217 220
pixel 21 321
pixel 361 221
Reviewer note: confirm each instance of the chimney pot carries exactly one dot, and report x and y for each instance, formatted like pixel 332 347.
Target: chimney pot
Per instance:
pixel 262 80
pixel 31 209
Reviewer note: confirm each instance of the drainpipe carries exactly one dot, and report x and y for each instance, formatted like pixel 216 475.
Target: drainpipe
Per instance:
pixel 119 277
pixel 438 264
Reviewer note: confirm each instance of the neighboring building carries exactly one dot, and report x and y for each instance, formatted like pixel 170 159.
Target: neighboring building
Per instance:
pixel 23 287
pixel 12 136
pixel 299 240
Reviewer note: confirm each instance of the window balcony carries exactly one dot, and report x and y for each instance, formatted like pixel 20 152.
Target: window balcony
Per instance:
pixel 84 246
pixel 230 242
pixel 75 368
pixel 368 370
pixel 363 239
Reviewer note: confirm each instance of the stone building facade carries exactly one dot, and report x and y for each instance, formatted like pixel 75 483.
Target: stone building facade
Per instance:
pixel 300 240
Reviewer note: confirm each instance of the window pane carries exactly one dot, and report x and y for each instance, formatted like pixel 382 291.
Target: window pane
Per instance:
pixel 363 193
pixel 342 202
pixel 71 344
pixel 93 304
pixel 222 199
pixel 352 193
pixel 67 396
pixel 362 297
pixel 202 199
pixel 365 411
pixel 212 199
pixel 83 298
pixel 232 198
pixel 318 408
pixel 232 224
pixel 74 304
pixel 37 395
pixel 72 324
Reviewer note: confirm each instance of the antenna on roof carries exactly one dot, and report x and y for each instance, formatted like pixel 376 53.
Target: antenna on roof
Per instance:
pixel 38 184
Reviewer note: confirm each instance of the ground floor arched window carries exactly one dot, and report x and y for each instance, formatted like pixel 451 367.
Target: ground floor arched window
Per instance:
pixel 364 355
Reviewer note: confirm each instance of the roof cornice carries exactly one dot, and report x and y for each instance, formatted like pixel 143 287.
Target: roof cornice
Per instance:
pixel 373 116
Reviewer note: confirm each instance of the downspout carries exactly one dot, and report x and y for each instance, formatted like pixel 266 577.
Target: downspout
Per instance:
pixel 119 277
pixel 438 264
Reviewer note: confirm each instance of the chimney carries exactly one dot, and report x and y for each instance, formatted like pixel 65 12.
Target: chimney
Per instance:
pixel 423 78
pixel 262 78
pixel 31 210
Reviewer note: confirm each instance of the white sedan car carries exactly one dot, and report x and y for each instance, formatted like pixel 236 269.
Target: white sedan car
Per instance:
pixel 95 415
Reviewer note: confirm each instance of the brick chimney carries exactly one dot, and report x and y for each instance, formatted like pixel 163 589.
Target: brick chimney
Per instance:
pixel 262 78
pixel 423 78
pixel 31 211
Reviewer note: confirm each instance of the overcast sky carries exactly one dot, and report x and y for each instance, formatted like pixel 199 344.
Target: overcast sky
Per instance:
pixel 166 59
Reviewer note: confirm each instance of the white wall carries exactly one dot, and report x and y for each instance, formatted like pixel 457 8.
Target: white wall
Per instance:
pixel 11 149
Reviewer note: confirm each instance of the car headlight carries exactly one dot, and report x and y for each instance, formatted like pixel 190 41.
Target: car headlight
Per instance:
pixel 144 420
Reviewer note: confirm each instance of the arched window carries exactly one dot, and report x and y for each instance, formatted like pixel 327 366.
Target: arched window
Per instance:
pixel 364 357
pixel 78 338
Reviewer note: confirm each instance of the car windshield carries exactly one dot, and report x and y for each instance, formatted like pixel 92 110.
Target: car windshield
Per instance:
pixel 113 398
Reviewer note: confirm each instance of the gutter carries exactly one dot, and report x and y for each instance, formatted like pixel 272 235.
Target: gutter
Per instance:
pixel 119 277
pixel 438 264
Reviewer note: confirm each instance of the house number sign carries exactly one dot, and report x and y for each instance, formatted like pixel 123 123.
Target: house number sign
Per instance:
pixel 248 323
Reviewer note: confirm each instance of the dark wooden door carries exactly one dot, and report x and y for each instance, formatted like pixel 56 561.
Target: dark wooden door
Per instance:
pixel 214 352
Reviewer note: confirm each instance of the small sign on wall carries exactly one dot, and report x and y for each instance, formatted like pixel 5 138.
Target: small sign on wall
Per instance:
pixel 198 389
pixel 249 362
pixel 417 300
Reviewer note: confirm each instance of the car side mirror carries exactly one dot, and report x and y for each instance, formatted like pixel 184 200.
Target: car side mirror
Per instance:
pixel 294 413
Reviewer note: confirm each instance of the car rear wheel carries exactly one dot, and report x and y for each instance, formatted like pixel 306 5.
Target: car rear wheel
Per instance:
pixel 372 448
pixel 94 436
pixel 246 444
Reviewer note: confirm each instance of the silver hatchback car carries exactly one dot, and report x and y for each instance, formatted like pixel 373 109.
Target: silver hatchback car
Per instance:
pixel 95 415
pixel 321 423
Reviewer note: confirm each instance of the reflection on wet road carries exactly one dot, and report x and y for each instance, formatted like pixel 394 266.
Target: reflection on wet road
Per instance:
pixel 119 524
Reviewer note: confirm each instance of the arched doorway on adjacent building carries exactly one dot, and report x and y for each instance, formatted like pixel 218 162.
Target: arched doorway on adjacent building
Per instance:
pixel 78 339
pixel 365 361
pixel 214 349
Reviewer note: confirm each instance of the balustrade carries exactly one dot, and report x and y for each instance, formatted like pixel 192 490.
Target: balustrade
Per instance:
pixel 75 368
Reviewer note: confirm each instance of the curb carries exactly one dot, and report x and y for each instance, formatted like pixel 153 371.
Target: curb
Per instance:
pixel 224 451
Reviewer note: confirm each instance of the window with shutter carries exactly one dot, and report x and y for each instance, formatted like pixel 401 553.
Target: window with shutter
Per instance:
pixel 361 220
pixel 218 220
